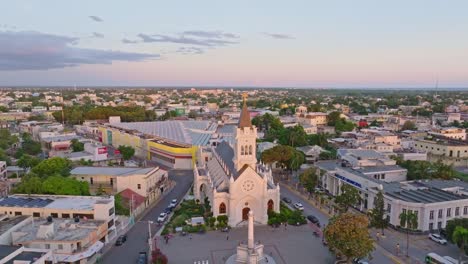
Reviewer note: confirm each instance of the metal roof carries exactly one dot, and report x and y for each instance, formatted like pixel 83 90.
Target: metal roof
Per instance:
pixel 110 171
pixel 187 132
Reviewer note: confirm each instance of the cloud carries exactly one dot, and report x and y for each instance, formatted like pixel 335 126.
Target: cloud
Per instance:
pixel 189 50
pixel 210 34
pixel 279 36
pixel 97 35
pixel 129 41
pixel 197 38
pixel 28 50
pixel 96 18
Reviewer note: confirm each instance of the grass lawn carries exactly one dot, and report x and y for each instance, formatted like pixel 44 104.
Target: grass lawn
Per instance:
pixel 185 211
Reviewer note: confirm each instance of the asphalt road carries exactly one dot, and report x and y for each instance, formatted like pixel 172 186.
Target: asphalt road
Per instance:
pixel 377 256
pixel 137 237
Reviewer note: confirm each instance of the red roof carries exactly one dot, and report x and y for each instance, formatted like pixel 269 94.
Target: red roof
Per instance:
pixel 127 197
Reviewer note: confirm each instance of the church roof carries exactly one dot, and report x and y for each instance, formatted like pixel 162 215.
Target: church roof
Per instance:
pixel 244 120
pixel 226 153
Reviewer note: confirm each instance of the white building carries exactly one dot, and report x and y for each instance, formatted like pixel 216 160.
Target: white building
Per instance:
pixel 449 132
pixel 229 177
pixel 433 201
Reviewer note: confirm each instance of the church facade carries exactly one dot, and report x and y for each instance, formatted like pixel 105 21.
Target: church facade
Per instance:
pixel 230 178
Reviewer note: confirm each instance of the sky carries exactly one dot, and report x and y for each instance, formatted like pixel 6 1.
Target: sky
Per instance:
pixel 275 43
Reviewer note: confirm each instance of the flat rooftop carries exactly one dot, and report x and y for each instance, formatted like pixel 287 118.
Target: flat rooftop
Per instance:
pixel 426 195
pixel 7 250
pixel 26 256
pixel 63 229
pixel 110 171
pixel 8 223
pixel 54 201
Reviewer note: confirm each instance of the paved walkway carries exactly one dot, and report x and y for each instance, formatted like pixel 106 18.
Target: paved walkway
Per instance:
pixel 290 246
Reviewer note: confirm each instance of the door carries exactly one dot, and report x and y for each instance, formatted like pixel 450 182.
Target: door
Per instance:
pixel 245 213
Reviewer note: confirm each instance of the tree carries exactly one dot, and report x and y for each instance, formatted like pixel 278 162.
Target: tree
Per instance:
pixel 377 214
pixel 296 160
pixel 349 234
pixel 53 166
pixel 280 154
pixel 56 185
pixel 460 237
pixel 333 118
pixel 126 151
pixel 309 179
pixel 30 146
pixel 409 220
pixel 26 162
pixel 408 125
pixel 349 196
pixel 77 145
pixel 120 208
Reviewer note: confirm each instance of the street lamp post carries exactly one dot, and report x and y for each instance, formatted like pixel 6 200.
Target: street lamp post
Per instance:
pixel 150 241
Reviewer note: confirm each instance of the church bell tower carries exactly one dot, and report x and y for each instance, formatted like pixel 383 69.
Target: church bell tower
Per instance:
pixel 245 146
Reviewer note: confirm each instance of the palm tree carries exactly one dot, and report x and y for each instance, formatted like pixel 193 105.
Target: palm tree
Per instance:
pixel 409 220
pixel 460 237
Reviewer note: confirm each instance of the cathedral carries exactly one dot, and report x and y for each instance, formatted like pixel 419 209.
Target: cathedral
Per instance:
pixel 229 177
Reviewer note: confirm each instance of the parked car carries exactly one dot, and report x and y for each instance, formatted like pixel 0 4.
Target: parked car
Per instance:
pixel 173 203
pixel 142 258
pixel 299 206
pixel 437 238
pixel 287 200
pixel 120 240
pixel 162 217
pixel 168 210
pixel 359 261
pixel 313 220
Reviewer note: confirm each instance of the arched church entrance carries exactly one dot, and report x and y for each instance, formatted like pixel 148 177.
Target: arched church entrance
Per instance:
pixel 245 213
pixel 270 205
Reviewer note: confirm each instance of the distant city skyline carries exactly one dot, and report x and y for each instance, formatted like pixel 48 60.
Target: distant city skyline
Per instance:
pixel 318 44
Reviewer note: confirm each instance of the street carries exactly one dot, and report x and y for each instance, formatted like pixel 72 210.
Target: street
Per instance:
pixel 137 237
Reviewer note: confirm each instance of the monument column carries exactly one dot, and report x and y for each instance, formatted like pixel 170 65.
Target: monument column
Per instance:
pixel 251 240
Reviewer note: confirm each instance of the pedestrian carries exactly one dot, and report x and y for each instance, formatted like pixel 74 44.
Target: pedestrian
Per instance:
pixel 227 237
pixel 285 225
pixel 190 236
pixel 378 236
pixel 397 249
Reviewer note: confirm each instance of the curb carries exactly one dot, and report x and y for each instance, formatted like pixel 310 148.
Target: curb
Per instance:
pixel 306 199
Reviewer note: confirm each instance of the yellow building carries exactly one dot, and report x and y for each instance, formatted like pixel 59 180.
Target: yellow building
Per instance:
pixel 172 144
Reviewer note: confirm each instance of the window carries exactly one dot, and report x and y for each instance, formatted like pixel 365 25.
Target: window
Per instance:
pixel 242 150
pixel 439 225
pixel 222 208
pixel 250 150
pixel 383 176
pixel 60 246
pixel 457 211
pixel 465 210
pixel 431 226
pixel 54 215
pixel 449 212
pixel 440 213
pixel 389 207
pixel 47 246
pixel 36 214
pixel 18 213
pixel 431 215
pixel 65 215
pixel 111 211
pixel 404 211
pixel 139 186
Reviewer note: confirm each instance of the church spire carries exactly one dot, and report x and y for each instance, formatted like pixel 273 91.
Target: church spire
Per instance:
pixel 244 120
